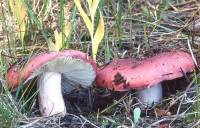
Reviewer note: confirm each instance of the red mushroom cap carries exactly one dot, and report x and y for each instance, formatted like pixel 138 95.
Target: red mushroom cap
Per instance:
pixel 15 74
pixel 125 74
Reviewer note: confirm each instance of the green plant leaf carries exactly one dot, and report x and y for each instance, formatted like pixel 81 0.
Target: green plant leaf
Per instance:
pixel 98 37
pixel 89 4
pixel 136 114
pixel 84 16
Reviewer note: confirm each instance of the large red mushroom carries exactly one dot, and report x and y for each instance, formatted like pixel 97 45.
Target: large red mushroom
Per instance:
pixel 145 75
pixel 69 68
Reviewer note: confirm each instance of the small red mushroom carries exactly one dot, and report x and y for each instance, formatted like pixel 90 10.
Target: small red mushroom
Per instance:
pixel 126 74
pixel 68 68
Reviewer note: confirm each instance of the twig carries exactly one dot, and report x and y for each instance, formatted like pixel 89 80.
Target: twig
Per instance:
pixel 30 124
pixel 190 48
pixel 89 122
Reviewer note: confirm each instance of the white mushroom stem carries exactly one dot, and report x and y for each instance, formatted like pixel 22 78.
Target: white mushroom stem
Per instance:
pixel 51 101
pixel 150 96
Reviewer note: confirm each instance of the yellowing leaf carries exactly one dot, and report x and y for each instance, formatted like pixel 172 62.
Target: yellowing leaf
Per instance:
pixel 58 41
pixel 59 38
pixel 98 37
pixel 84 16
pixel 19 13
pixel 94 8
pixel 90 24
pixel 68 27
pixel 51 46
pixel 11 5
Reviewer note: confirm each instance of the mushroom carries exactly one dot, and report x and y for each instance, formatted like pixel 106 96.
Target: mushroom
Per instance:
pixel 69 68
pixel 145 75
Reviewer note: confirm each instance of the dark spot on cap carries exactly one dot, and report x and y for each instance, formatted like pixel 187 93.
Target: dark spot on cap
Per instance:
pixel 126 85
pixel 118 79
pixel 133 66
